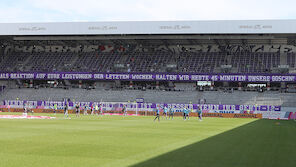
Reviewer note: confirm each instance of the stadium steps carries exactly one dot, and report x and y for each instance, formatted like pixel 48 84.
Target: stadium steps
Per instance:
pixel 283 59
pixel 215 97
pixel 27 62
pixel 74 60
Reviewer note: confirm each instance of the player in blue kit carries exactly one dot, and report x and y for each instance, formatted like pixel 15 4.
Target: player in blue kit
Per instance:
pixel 124 110
pixel 171 113
pixel 101 109
pixel 199 112
pixel 187 112
pixel 165 112
pixel 85 110
pixel 66 108
pixel 184 113
pixel 157 111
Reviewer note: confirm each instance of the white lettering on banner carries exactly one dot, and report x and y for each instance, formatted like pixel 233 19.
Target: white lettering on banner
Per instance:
pixel 271 108
pixel 22 76
pixel 76 76
pixel 166 77
pixel 248 107
pixel 40 76
pixel 142 76
pixel 180 106
pixel 117 76
pixel 214 107
pixel 210 108
pixel 59 104
pixel 232 107
pixel 241 107
pixel 4 76
pixel 283 78
pixel 214 78
pixel 48 103
pixel 225 107
pixel 199 77
pixel 42 103
pixel 160 77
pixel 151 76
pixel 173 105
pixel 258 78
pixel 98 76
pixel 148 105
pixel 142 105
pixel 205 107
pixel 10 102
pixel 32 103
pixel 222 111
pixel 84 104
pixel 172 77
pixel 184 77
pixel 53 76
pixel 232 78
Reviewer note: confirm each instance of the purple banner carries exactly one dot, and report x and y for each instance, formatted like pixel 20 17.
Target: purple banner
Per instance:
pixel 150 76
pixel 213 107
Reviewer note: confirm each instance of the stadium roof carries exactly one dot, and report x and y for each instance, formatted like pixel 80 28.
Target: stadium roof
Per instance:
pixel 151 27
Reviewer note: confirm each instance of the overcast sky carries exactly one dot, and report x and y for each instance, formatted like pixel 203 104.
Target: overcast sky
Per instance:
pixel 143 10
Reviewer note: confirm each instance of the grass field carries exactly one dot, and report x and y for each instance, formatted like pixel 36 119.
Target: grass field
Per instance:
pixel 92 141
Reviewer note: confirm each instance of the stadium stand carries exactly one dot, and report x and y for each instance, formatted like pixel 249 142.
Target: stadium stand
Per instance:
pixel 256 62
pixel 143 62
pixel 205 53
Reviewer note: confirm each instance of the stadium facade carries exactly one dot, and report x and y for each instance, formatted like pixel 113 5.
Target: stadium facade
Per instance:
pixel 151 27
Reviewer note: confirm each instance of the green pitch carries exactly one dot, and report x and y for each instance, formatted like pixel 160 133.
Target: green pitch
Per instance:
pixel 92 141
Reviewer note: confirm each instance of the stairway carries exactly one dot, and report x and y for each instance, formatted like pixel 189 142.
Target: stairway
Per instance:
pixel 283 59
